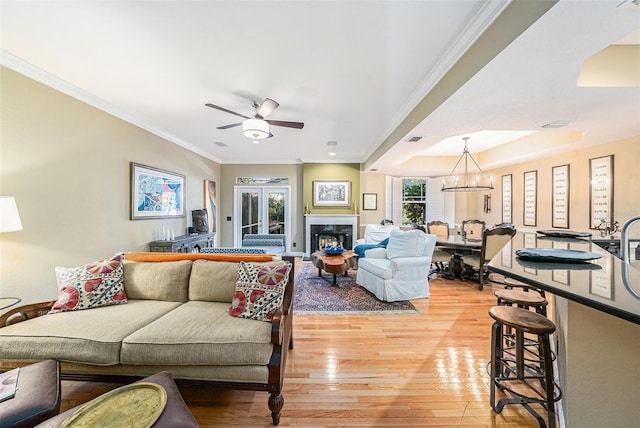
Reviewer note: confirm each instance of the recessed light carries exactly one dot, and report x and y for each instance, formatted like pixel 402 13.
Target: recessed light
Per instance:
pixel 332 143
pixel 332 153
pixel 414 139
pixel 220 143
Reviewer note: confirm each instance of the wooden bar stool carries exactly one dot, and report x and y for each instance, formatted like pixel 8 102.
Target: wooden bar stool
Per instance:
pixel 525 382
pixel 526 348
pixel 522 299
pixel 510 283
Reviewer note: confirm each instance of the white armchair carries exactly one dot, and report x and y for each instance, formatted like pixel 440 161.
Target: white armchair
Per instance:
pixel 375 233
pixel 400 271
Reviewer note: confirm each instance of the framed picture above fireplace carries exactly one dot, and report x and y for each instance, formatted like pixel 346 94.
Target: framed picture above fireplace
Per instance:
pixel 331 193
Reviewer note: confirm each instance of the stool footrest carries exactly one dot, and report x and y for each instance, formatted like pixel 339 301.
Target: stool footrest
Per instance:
pixel 524 404
pixel 524 400
pixel 503 385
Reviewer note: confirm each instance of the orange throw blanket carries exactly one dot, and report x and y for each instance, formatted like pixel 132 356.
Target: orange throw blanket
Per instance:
pixel 168 257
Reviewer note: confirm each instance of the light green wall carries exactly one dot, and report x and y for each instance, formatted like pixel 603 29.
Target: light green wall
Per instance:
pixel 331 171
pixel 68 166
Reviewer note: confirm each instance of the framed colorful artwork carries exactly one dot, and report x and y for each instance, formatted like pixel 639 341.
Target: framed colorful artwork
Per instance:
pixel 156 193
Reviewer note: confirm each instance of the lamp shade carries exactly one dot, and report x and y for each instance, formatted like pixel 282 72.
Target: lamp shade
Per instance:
pixel 255 128
pixel 9 217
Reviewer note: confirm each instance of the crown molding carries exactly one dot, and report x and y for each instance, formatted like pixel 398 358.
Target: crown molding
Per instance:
pixel 36 73
pixel 483 20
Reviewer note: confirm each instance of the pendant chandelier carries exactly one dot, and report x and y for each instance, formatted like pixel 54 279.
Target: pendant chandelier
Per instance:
pixel 452 182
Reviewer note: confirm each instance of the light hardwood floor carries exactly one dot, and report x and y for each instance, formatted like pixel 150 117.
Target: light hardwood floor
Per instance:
pixel 404 370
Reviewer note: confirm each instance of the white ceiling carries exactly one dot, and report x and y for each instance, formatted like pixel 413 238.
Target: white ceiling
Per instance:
pixel 350 70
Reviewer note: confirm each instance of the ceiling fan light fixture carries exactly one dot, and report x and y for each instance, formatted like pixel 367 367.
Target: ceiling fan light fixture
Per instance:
pixel 256 129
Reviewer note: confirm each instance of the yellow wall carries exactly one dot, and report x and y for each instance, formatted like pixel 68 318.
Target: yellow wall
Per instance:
pixel 68 166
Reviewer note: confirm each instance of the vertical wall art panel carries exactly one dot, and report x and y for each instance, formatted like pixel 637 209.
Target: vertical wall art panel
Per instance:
pixel 210 203
pixel 507 201
pixel 601 191
pixel 560 194
pixel 530 198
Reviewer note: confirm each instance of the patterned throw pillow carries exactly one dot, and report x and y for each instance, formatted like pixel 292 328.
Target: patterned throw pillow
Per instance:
pixel 259 290
pixel 90 286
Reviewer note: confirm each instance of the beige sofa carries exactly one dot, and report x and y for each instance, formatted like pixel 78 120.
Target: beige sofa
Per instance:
pixel 176 319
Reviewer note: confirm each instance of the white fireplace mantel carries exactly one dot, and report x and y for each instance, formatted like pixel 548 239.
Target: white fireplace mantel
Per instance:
pixel 314 219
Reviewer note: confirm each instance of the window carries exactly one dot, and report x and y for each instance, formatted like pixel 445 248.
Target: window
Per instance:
pixel 420 200
pixel 414 200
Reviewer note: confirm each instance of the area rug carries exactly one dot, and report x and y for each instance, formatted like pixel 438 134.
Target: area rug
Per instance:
pixel 315 295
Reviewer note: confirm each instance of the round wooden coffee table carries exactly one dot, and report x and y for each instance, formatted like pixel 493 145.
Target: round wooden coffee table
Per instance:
pixel 334 264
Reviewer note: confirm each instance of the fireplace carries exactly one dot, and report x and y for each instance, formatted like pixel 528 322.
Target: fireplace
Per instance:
pixel 331 234
pixel 329 228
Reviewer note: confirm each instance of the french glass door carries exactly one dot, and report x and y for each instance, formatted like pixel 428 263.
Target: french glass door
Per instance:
pixel 262 210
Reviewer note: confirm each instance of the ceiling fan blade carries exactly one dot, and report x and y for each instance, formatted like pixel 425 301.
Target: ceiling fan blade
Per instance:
pixel 226 110
pixel 233 125
pixel 266 108
pixel 297 125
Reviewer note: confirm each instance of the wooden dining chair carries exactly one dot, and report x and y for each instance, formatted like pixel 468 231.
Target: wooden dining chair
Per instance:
pixel 440 257
pixel 473 228
pixel 493 239
pixel 436 227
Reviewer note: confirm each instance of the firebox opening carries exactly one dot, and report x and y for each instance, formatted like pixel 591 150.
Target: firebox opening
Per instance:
pixel 327 234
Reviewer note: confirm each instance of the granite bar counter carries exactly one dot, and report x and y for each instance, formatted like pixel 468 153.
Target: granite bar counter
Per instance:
pixel 596 309
pixel 605 284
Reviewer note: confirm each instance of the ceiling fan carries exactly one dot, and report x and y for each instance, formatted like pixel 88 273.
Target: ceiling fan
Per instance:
pixel 257 127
